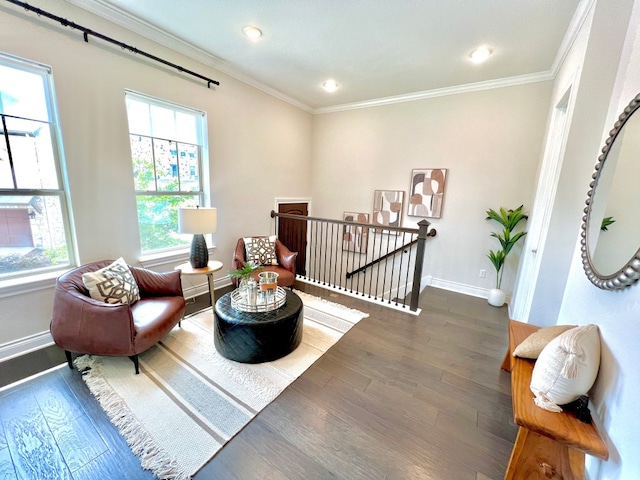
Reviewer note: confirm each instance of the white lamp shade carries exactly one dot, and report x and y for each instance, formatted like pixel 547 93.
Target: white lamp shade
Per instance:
pixel 197 220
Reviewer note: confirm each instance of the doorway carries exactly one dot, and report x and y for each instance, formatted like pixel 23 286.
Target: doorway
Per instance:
pixel 293 233
pixel 538 225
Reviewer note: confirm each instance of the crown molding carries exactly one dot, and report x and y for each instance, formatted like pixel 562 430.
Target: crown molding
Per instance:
pixel 162 37
pixel 440 92
pixel 147 30
pixel 582 13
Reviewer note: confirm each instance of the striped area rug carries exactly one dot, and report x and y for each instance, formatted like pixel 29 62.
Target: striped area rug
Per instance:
pixel 188 401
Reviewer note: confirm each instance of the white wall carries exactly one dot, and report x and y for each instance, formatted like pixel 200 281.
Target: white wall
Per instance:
pixel 259 146
pixel 489 140
pixel 598 73
pixel 617 314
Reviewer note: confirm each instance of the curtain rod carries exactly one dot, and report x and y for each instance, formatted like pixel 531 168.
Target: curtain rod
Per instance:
pixel 86 32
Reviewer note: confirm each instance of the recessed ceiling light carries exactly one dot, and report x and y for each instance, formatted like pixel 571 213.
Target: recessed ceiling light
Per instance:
pixel 480 54
pixel 330 86
pixel 253 33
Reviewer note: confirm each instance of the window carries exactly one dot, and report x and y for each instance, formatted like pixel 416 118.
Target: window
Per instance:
pixel 167 145
pixel 34 225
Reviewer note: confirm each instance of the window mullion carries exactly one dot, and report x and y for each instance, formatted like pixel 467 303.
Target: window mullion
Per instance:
pixel 8 143
pixel 153 155
pixel 178 146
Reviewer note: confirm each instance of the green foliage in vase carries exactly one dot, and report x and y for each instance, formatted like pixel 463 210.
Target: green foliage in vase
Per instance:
pixel 245 271
pixel 509 219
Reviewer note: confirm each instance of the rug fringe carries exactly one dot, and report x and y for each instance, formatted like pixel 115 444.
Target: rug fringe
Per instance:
pixel 143 446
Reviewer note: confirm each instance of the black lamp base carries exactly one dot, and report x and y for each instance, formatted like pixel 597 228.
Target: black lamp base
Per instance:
pixel 199 257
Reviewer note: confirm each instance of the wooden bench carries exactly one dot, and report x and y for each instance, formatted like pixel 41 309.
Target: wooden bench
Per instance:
pixel 549 445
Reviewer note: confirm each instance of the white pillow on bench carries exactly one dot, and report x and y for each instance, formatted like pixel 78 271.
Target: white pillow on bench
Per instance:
pixel 566 368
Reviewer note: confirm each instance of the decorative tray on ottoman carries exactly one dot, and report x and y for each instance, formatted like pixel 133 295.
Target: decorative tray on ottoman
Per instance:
pixel 240 301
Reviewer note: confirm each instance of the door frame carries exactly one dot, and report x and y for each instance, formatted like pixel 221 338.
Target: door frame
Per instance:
pixel 279 200
pixel 542 209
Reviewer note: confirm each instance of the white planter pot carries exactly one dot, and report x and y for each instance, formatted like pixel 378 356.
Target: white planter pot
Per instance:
pixel 496 297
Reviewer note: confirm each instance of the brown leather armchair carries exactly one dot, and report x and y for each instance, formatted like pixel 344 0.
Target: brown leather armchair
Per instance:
pixel 81 324
pixel 286 268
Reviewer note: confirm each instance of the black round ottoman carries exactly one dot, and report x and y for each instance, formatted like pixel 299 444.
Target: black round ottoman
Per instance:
pixel 255 337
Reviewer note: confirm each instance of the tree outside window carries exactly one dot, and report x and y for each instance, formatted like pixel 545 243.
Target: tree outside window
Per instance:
pixel 167 144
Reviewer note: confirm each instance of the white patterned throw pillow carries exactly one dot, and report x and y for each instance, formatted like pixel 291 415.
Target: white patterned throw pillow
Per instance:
pixel 261 250
pixel 566 368
pixel 112 284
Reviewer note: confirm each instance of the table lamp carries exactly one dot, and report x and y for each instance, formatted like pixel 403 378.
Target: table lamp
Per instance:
pixel 198 221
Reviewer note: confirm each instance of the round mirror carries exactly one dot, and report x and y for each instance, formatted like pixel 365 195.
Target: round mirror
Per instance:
pixel 610 231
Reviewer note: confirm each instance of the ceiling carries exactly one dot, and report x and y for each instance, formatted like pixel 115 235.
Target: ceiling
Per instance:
pixel 373 49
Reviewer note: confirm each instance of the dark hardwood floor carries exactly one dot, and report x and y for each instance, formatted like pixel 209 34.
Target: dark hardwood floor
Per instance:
pixel 398 397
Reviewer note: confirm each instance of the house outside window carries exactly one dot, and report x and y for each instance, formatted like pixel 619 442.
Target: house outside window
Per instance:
pixel 35 233
pixel 168 143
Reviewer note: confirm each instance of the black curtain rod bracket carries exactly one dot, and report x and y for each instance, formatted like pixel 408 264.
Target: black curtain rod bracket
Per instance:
pixel 86 32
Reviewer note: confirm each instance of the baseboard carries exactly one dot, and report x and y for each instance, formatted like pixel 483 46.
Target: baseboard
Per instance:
pixel 360 296
pixel 28 344
pixel 457 287
pixel 25 345
pixel 203 288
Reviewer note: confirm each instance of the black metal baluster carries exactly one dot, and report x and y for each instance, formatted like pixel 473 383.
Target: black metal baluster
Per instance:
pixel 378 265
pixel 315 250
pixel 324 246
pixel 406 281
pixel 393 266
pixel 331 252
pixel 342 260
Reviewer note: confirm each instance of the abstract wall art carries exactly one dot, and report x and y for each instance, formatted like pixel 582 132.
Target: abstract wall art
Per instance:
pixel 387 208
pixel 426 192
pixel 354 237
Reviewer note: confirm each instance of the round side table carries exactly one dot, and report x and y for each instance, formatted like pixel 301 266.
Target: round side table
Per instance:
pixel 209 270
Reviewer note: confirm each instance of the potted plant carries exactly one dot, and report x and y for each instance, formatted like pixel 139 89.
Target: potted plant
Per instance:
pixel 243 273
pixel 509 219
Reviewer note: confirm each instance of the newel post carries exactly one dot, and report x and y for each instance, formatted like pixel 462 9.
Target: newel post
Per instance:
pixel 417 272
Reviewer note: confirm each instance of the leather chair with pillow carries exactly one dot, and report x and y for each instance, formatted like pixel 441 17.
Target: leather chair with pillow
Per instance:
pixel 136 309
pixel 269 252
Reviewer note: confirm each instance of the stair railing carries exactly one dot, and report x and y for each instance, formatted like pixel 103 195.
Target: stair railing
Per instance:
pixel 378 263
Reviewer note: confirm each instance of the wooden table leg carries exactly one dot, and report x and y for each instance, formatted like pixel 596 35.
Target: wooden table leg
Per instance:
pixel 506 362
pixel 536 457
pixel 212 293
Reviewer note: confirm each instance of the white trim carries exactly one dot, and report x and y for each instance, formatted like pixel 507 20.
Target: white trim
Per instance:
pixel 459 287
pixel 166 258
pixel 281 200
pixel 25 345
pixel 134 24
pixel 203 288
pixel 375 300
pixel 147 30
pixel 30 283
pixel 543 203
pixel 440 92
pixel 580 16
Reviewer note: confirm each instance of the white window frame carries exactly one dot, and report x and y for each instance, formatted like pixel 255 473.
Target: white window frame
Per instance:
pixel 203 194
pixel 42 276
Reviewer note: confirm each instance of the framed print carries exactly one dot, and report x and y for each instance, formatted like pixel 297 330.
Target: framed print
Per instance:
pixel 387 208
pixel 426 192
pixel 354 237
